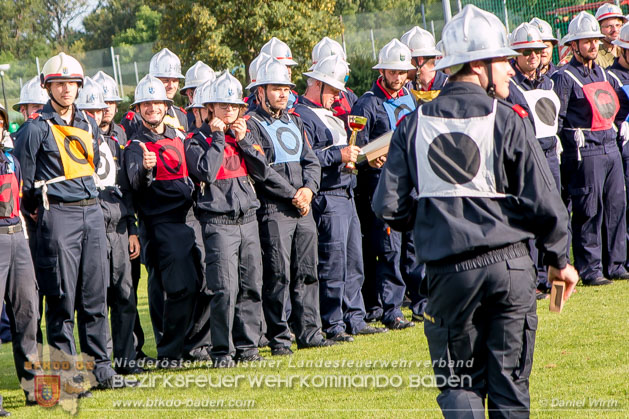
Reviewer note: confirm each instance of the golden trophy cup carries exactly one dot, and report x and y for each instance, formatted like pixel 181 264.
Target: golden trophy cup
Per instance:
pixel 356 124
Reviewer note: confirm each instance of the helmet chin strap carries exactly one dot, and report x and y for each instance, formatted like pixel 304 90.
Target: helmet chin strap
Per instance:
pixel 275 112
pixel 52 98
pixel 586 61
pixel 152 125
pixel 491 87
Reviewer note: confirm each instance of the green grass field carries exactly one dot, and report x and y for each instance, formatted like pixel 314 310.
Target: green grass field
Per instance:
pixel 581 370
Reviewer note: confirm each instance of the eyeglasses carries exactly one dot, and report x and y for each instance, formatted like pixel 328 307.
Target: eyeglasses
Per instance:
pixel 528 52
pixel 225 106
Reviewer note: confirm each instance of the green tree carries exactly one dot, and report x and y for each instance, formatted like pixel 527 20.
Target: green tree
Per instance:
pixel 145 29
pixel 228 34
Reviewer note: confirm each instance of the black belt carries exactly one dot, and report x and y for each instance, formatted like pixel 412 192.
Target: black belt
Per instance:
pixel 81 203
pixel 16 228
pixel 459 264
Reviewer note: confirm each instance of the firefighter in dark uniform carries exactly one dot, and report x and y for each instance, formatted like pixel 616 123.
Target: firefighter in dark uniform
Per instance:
pixel 121 231
pixel 483 190
pixel 115 134
pixel 533 91
pixel 58 157
pixel 156 167
pixel 591 167
pixel 288 233
pixel 384 106
pixel 425 84
pixel 342 105
pixel 619 71
pixel 166 66
pixel 196 75
pixel 340 249
pixel 221 157
pixel 32 99
pixel 18 286
pixel 546 66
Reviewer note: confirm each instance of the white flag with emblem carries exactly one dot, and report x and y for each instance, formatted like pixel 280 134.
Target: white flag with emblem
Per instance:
pixel 455 157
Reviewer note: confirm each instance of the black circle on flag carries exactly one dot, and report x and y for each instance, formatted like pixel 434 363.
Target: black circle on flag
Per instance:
pixel 454 157
pixel 66 144
pixel 173 154
pixel 604 102
pixel 103 168
pixel 546 111
pixel 402 107
pixel 231 163
pixel 290 142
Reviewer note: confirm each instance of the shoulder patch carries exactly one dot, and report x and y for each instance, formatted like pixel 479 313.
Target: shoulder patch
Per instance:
pixel 292 112
pixel 190 135
pixel 246 117
pixel 33 115
pixel 520 111
pixel 183 110
pixel 130 115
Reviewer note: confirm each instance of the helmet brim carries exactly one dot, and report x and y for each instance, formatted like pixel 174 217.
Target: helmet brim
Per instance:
pixel 394 66
pixel 168 102
pixel 449 61
pixel 326 79
pixel 586 35
pixel 430 52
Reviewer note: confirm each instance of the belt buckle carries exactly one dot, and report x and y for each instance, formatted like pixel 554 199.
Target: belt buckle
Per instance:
pixel 12 228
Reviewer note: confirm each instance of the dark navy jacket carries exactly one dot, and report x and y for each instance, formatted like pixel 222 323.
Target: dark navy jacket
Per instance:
pixel 227 198
pixel 371 105
pixel 329 155
pixel 40 158
pixel 117 202
pixel 621 75
pixel 575 110
pixel 279 188
pixel 458 228
pixel 156 200
pixel 517 98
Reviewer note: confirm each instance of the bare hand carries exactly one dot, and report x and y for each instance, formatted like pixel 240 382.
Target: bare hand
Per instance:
pixel 216 125
pixel 240 128
pixel 134 247
pixel 378 163
pixel 349 153
pixel 149 159
pixel 569 275
pixel 302 198
pixel 33 215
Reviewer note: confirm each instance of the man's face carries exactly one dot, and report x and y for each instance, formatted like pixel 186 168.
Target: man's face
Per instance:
pixel 529 60
pixel 97 114
pixel 426 70
pixel 501 73
pixel 329 95
pixel 547 53
pixel 394 79
pixel 587 48
pixel 171 85
pixel 190 94
pixel 29 109
pixel 277 95
pixel 109 113
pixel 153 112
pixel 611 28
pixel 64 92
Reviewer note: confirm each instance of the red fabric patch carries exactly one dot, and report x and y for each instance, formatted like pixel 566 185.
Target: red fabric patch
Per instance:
pixel 171 158
pixel 233 165
pixel 520 111
pixel 9 196
pixel 130 115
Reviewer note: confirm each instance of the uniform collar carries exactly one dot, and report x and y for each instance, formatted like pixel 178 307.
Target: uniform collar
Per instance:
pixel 581 68
pixel 380 87
pixel 264 115
pixel 462 87
pixel 48 112
pixel 310 103
pixel 169 132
